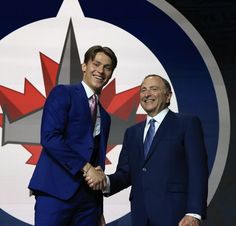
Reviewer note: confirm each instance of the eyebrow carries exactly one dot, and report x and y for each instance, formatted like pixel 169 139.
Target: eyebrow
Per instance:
pixel 150 87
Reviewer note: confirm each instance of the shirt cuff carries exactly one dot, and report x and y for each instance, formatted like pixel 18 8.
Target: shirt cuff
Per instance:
pixel 194 215
pixel 106 190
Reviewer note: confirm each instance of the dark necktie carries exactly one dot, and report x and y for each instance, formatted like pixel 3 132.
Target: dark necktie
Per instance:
pixel 149 137
pixel 93 108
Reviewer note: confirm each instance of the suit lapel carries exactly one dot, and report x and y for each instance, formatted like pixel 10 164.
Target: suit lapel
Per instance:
pixel 81 96
pixel 83 103
pixel 139 139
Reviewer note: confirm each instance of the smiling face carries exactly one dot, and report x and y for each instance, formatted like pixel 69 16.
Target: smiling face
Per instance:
pixel 154 95
pixel 97 72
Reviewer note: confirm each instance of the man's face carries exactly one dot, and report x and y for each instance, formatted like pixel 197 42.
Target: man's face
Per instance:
pixel 97 72
pixel 154 95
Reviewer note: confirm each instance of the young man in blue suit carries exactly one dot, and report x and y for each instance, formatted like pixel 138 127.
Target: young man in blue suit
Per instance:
pixel 73 146
pixel 169 180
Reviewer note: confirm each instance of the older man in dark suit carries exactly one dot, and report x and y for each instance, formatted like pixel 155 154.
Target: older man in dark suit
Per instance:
pixel 164 160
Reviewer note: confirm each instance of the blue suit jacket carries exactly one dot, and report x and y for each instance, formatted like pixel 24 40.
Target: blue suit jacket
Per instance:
pixel 67 140
pixel 172 180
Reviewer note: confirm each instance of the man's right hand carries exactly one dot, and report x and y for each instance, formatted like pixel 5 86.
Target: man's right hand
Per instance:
pixel 96 178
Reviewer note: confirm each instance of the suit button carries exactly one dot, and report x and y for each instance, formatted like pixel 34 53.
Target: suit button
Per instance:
pixel 144 169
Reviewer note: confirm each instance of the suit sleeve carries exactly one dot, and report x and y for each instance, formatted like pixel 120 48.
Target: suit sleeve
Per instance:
pixel 121 178
pixel 197 168
pixel 54 121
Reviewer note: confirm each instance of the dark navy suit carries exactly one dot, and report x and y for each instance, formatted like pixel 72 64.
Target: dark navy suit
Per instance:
pixel 68 144
pixel 172 180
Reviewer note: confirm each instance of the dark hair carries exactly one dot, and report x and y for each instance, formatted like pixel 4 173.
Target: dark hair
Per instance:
pixel 92 51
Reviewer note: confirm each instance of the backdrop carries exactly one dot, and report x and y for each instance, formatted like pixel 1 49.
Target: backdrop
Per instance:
pixel 190 43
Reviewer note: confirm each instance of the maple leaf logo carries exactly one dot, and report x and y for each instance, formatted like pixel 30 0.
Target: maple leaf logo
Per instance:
pixel 21 109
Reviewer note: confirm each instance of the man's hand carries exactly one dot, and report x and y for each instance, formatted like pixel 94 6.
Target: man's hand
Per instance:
pixel 96 178
pixel 189 221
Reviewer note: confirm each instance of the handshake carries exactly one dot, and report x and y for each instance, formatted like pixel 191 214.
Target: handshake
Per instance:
pixel 95 177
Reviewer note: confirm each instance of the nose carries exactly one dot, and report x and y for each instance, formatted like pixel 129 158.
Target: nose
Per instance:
pixel 100 69
pixel 147 93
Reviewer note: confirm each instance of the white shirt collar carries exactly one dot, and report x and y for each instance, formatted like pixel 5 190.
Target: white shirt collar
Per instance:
pixel 159 117
pixel 88 90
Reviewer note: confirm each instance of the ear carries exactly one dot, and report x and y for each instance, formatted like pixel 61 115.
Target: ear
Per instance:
pixel 83 66
pixel 168 97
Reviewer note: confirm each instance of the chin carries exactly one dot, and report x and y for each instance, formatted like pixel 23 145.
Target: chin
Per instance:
pixel 149 111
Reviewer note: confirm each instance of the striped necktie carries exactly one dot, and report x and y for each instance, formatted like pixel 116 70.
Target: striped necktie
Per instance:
pixel 93 107
pixel 149 137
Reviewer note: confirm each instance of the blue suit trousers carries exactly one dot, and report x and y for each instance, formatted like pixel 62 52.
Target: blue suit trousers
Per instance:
pixel 81 210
